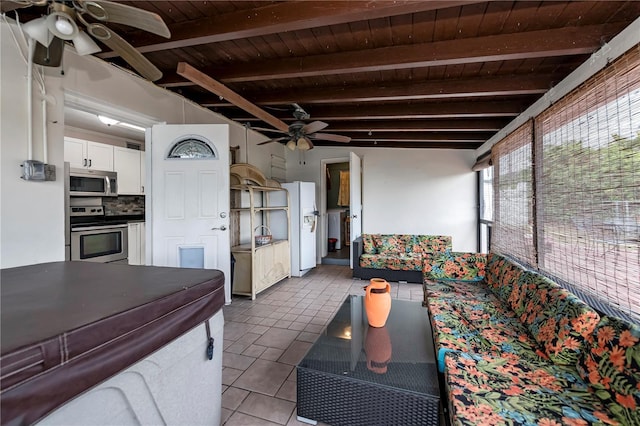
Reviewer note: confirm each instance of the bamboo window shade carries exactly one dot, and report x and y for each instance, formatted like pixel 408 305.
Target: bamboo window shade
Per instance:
pixel 513 230
pixel 588 186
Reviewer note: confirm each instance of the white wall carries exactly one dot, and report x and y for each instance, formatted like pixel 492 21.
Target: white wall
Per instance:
pixel 32 222
pixel 411 191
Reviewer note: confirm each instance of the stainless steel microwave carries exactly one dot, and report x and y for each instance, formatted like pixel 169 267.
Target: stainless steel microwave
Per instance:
pixel 92 183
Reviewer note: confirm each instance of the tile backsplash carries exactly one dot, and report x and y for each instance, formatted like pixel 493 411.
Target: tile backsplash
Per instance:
pixel 123 205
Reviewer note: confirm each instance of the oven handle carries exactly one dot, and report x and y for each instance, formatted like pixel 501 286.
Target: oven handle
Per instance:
pixel 98 227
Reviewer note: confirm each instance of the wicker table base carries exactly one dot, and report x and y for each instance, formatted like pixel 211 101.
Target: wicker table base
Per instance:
pixel 339 383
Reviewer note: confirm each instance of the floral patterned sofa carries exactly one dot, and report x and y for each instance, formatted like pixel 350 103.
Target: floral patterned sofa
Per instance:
pixel 395 257
pixel 516 348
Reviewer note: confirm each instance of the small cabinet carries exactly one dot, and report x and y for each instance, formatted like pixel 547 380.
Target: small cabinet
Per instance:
pixel 129 164
pixel 137 243
pixel 258 267
pixel 83 154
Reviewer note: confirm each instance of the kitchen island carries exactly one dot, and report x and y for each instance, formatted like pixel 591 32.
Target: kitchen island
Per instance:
pixel 85 342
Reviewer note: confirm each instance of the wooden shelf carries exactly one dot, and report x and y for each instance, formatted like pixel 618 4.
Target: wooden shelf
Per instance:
pixel 259 267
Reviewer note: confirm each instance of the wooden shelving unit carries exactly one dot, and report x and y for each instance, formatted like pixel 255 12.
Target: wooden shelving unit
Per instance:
pixel 258 267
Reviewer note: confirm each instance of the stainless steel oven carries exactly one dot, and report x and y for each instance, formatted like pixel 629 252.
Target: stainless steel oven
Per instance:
pixel 99 243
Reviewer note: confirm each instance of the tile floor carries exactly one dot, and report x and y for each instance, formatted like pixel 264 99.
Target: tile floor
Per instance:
pixel 265 338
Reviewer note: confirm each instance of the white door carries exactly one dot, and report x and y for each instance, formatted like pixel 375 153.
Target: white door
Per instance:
pixel 190 198
pixel 355 199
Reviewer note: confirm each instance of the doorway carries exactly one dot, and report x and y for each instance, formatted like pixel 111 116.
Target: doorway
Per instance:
pixel 336 196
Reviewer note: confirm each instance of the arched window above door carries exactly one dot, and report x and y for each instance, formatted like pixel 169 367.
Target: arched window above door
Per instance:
pixel 192 147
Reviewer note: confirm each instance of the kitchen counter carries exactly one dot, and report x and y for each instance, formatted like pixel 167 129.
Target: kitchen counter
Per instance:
pixel 67 326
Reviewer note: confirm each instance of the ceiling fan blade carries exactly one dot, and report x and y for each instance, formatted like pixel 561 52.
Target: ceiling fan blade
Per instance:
pixel 126 51
pixel 314 126
pixel 330 137
pixel 272 140
pixel 9 5
pixel 49 56
pixel 108 11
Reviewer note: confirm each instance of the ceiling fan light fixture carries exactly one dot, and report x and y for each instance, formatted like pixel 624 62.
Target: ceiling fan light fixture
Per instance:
pixel 84 44
pixel 303 144
pixel 62 25
pixel 38 30
pixel 291 144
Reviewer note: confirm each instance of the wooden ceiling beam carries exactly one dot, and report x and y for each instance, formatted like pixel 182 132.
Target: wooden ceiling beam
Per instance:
pixel 452 125
pixel 511 85
pixel 208 83
pixel 399 111
pixel 403 144
pixel 504 47
pixel 277 18
pixel 417 137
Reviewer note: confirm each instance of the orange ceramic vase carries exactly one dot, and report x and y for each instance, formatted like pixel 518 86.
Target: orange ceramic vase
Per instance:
pixel 377 302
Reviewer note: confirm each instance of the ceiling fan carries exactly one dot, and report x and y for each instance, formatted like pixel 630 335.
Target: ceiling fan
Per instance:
pixel 60 24
pixel 299 134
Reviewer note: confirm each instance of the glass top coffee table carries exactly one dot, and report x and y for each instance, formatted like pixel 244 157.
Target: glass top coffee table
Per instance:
pixel 355 374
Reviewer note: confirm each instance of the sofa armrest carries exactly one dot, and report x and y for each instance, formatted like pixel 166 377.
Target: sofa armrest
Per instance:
pixel 454 266
pixel 357 250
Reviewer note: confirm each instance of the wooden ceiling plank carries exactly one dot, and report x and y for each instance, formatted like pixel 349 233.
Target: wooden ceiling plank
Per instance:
pixel 279 17
pixel 536 44
pixel 429 110
pixel 208 83
pixel 451 125
pixel 403 144
pixel 419 137
pixel 433 89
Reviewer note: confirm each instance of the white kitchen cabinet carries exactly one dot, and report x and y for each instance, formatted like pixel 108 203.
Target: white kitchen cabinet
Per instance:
pixel 128 164
pixel 83 154
pixel 137 246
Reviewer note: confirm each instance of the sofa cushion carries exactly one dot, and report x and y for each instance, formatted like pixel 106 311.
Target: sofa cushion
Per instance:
pixel 611 366
pixel 454 266
pixel 501 274
pixel 559 321
pixel 496 391
pixel 428 243
pixel 401 262
pixel 495 322
pixel 390 244
pixel 367 244
pixel 457 290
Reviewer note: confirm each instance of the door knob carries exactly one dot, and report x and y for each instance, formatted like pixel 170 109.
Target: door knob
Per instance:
pixel 222 228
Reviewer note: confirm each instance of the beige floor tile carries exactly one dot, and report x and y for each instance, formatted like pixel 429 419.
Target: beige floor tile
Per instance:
pixel 277 338
pixel 305 336
pixel 254 351
pixel 295 352
pixel 240 419
pixel 226 413
pixel 266 407
pixel 287 391
pixel 229 375
pixel 233 397
pixel 272 354
pixel 264 376
pixel 239 362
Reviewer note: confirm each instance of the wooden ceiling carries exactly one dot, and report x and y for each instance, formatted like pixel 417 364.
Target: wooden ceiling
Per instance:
pixel 418 74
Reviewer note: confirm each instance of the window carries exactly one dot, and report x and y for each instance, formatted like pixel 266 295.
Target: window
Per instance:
pixel 513 231
pixel 486 208
pixel 193 147
pixel 587 175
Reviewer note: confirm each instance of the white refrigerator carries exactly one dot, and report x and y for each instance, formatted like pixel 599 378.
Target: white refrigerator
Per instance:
pixel 304 225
